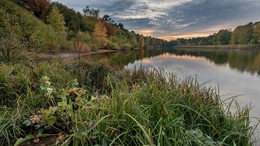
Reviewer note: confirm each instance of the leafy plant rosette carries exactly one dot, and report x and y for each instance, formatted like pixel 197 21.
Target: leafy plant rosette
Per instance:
pixel 61 103
pixel 59 112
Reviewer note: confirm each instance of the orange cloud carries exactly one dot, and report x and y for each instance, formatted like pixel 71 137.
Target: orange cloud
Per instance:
pixel 147 32
pixel 169 37
pixel 186 36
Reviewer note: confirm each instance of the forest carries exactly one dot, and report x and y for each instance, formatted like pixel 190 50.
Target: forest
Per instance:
pixel 242 35
pixel 44 26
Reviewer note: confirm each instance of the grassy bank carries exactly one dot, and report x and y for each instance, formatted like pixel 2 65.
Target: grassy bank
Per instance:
pixel 91 103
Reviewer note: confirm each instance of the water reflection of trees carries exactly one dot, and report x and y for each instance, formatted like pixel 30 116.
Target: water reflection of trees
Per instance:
pixel 243 61
pixel 123 58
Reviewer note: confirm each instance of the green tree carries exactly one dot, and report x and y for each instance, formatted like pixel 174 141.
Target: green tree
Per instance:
pixel 147 41
pixel 132 39
pixel 235 36
pixel 256 33
pixel 141 42
pixel 120 40
pixel 89 23
pixel 246 33
pixel 223 37
pixel 108 19
pixel 56 20
pixel 73 20
pixel 121 26
pixel 11 44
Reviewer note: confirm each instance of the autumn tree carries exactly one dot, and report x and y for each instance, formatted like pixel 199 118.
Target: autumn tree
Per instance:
pixel 100 32
pixel 141 42
pixel 38 7
pixel 111 30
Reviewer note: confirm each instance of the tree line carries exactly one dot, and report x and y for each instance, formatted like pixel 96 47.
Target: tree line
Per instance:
pixel 45 26
pixel 242 35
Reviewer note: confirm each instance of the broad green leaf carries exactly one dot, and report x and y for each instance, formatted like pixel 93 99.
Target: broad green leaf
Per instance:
pixel 51 120
pixel 21 140
pixel 48 117
pixel 63 95
pixel 46 112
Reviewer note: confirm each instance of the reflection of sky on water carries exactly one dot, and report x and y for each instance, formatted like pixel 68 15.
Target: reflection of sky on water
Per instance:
pixel 231 82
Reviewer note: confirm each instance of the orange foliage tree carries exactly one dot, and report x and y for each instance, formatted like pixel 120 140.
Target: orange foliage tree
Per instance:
pixel 100 32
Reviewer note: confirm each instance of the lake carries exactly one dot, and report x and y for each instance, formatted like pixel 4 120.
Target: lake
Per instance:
pixel 233 73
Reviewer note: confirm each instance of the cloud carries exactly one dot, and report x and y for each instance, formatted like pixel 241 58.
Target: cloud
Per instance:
pixel 149 8
pixel 201 15
pixel 165 18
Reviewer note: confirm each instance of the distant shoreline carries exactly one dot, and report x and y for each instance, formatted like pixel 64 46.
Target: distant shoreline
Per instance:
pixel 220 47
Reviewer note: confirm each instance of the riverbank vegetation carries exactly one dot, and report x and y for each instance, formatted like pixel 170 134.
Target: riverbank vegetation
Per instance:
pixel 51 27
pixel 90 102
pixel 248 34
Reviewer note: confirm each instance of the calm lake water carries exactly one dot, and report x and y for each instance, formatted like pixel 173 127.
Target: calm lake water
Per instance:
pixel 233 73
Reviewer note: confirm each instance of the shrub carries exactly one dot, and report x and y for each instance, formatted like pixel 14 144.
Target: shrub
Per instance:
pixel 112 45
pixel 126 46
pixel 11 45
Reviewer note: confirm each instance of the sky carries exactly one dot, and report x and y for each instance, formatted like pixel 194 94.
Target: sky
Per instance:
pixel 172 19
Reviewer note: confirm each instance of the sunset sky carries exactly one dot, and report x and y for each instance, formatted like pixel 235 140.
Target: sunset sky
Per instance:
pixel 171 19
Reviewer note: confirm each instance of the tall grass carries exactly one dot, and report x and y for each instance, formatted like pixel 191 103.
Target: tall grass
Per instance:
pixel 20 89
pixel 127 107
pixel 163 111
